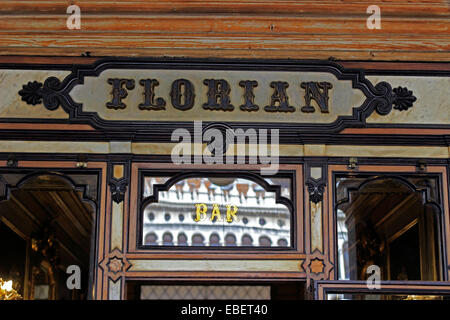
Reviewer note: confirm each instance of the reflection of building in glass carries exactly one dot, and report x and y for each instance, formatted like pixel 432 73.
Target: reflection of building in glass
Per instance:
pixel 260 220
pixel 342 246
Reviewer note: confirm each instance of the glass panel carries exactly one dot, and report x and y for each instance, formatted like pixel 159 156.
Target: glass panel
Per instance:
pixel 371 296
pixel 391 222
pixel 284 183
pixel 186 292
pixel 150 182
pixel 217 212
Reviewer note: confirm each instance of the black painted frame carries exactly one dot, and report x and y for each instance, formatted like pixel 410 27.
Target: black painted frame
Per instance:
pixel 402 287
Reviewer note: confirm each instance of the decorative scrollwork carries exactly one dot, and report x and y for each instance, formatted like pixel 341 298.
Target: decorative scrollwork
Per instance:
pixel 49 93
pixel 383 103
pixel 400 98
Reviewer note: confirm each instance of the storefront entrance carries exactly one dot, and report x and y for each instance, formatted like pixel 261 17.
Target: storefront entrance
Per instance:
pixel 205 179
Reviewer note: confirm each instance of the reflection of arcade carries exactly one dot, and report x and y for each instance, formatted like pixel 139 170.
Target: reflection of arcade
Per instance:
pixel 387 222
pixel 261 222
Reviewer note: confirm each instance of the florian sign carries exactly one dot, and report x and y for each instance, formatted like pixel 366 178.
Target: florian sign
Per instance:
pixel 182 95
pixel 137 94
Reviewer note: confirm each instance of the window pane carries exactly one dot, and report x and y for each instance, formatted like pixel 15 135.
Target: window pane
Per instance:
pixel 189 292
pixel 367 296
pixel 391 222
pixel 217 212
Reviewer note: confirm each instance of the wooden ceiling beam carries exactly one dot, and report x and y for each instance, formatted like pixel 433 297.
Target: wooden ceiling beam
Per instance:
pixel 405 202
pixel 68 214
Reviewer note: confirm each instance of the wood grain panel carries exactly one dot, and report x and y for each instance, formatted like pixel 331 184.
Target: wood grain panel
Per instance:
pixel 289 7
pixel 231 25
pixel 411 30
pixel 305 46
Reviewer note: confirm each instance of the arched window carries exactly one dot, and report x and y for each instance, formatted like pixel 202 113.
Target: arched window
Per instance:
pixel 265 241
pixel 182 239
pixel 282 242
pixel 167 239
pixel 198 240
pixel 246 240
pixel 230 240
pixel 214 240
pixel 151 239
